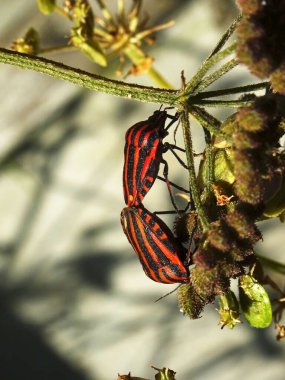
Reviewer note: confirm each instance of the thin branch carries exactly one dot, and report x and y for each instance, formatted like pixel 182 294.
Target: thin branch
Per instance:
pixel 222 103
pixel 206 120
pixel 90 81
pixel 225 36
pixel 191 168
pixel 232 91
pixel 208 80
pixel 209 164
pixel 205 67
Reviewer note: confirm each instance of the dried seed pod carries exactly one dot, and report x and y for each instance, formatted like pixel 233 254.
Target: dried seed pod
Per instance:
pixel 185 226
pixel 209 283
pixel 278 79
pixel 249 6
pixel 261 42
pixel 247 140
pixel 190 303
pixel 249 184
pixel 207 258
pixel 251 120
pixel 218 236
pixel 241 253
pixel 243 226
pixel 230 125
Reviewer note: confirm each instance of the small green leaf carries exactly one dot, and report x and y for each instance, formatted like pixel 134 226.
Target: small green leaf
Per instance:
pixel 29 44
pixel 254 301
pixel 46 6
pixel 93 51
pixel 129 377
pixel 223 170
pixel 222 167
pixel 88 47
pixel 164 374
pixel 229 310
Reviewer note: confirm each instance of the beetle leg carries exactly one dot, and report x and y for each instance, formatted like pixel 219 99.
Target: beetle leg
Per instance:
pixel 165 175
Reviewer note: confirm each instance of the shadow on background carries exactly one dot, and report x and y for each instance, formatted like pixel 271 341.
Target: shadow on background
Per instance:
pixel 25 355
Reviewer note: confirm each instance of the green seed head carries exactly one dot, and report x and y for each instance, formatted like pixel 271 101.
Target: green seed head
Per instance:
pixel 189 302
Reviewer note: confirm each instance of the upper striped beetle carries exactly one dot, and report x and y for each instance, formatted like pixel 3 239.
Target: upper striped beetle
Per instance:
pixel 143 155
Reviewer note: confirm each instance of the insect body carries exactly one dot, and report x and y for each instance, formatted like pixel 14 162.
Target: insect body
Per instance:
pixel 143 155
pixel 160 254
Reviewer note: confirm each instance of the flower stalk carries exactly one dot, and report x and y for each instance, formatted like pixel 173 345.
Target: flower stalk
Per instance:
pixel 90 81
pixel 193 185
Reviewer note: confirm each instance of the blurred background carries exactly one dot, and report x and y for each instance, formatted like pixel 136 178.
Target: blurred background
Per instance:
pixel 74 301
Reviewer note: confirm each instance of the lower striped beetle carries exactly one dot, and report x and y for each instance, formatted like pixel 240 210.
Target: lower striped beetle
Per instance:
pixel 160 253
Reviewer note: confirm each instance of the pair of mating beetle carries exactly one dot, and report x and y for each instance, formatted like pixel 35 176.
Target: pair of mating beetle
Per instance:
pixel 159 252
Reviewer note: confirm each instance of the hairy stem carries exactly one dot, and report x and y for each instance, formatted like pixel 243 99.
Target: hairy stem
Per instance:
pixel 191 168
pixel 222 103
pixel 209 164
pixel 225 36
pixel 205 67
pixel 208 80
pixel 232 91
pixel 206 120
pixel 90 81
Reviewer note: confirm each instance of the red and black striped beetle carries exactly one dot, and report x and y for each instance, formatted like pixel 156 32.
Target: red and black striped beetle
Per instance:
pixel 160 253
pixel 143 155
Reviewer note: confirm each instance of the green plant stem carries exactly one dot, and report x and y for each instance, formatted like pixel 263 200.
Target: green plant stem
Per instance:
pixel 271 264
pixel 208 80
pixel 207 64
pixel 222 103
pixel 231 91
pixel 225 36
pixel 191 169
pixel 90 81
pixel 209 163
pixel 207 121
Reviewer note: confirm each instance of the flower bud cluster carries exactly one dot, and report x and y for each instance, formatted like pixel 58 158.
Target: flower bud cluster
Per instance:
pixel 223 252
pixel 261 39
pixel 82 32
pixel 258 165
pixel 256 162
pixel 28 44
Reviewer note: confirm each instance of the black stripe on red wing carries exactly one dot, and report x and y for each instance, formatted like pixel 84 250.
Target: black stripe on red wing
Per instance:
pixel 155 254
pixel 138 237
pixel 139 174
pixel 132 231
pixel 164 239
pixel 143 152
